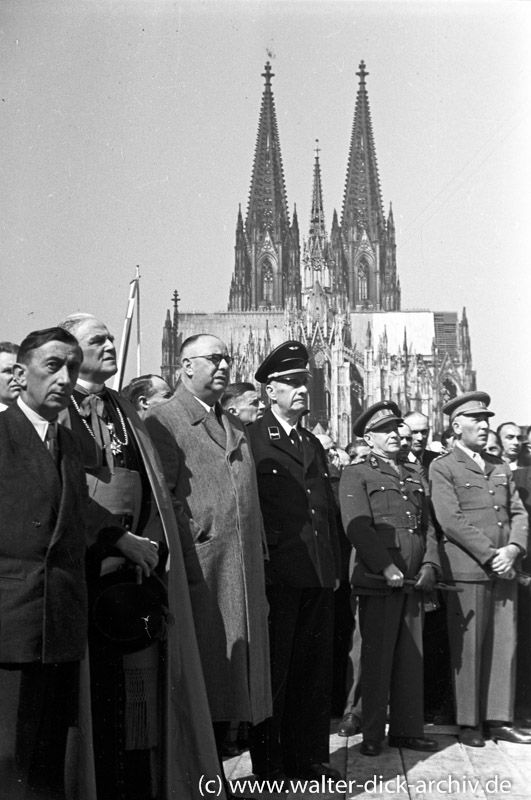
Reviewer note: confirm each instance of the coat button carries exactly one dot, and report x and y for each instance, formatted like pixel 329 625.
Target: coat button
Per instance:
pixel 309 491
pixel 36 523
pixel 313 510
pixel 275 471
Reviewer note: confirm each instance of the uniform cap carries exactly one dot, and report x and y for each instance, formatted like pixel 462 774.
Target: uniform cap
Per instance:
pixel 289 358
pixel 469 403
pixel 375 416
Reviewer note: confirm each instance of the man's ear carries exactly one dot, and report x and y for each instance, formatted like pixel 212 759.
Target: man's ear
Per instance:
pixel 19 373
pixel 233 410
pixel 142 402
pixel 187 367
pixel 270 391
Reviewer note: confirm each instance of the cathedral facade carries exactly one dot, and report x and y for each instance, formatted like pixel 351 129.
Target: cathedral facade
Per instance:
pixel 340 296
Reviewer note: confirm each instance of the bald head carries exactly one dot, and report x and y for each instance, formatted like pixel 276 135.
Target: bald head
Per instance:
pixel 420 430
pixel 205 367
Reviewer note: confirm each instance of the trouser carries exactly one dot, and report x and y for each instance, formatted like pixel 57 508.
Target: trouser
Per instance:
pixel 482 633
pixel 353 701
pixel 301 642
pixel 391 664
pixel 39 704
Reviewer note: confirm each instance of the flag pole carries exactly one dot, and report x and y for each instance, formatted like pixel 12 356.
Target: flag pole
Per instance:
pixel 126 332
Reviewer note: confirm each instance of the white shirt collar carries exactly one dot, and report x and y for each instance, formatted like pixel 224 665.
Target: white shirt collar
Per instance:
pixel 205 405
pixel 285 425
pixel 3 406
pixel 90 388
pixel 39 423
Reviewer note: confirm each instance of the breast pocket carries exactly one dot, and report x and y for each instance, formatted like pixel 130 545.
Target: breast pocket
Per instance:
pixel 471 495
pixel 383 498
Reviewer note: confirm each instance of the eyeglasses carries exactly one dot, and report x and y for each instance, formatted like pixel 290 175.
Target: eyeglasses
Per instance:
pixel 215 358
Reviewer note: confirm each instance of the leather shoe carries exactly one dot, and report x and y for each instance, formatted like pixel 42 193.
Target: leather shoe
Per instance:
pixel 370 748
pixel 350 725
pixel 413 743
pixel 472 737
pixel 315 771
pixel 509 733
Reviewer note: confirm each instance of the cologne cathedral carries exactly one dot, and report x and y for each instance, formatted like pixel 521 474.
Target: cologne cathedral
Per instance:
pixel 340 295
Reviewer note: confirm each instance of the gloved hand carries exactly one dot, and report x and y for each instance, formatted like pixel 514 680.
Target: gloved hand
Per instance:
pixel 426 579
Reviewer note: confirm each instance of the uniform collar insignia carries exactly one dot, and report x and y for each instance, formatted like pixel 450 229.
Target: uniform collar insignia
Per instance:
pixel 274 432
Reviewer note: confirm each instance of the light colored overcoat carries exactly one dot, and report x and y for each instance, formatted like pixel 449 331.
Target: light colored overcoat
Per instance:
pixel 210 472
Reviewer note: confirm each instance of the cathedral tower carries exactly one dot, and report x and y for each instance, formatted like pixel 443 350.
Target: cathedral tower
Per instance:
pixel 367 241
pixel 267 256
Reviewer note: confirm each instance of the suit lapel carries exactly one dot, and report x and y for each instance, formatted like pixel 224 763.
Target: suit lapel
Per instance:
pixel 37 460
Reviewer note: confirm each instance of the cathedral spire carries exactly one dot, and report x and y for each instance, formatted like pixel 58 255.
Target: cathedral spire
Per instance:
pixel 267 197
pixel 362 202
pixel 317 219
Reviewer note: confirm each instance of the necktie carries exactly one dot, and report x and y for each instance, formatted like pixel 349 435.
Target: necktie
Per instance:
pixel 295 439
pixel 51 441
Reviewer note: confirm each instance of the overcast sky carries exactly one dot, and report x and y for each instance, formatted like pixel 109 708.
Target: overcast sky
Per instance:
pixel 128 133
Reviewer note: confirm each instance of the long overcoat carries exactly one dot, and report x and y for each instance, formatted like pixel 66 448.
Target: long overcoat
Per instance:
pixel 189 752
pixel 210 473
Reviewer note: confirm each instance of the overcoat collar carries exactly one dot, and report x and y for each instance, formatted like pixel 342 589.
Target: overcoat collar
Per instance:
pixel 227 435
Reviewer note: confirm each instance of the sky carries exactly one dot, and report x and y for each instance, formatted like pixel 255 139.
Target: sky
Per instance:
pixel 127 135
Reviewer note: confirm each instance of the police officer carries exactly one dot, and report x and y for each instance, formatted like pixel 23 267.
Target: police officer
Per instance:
pixel 301 574
pixel 485 531
pixel 386 518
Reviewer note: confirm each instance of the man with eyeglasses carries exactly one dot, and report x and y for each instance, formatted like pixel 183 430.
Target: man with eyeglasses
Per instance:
pixel 209 469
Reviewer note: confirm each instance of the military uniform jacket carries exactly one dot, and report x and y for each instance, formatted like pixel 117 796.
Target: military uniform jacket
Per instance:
pixel 297 506
pixel 386 516
pixel 478 511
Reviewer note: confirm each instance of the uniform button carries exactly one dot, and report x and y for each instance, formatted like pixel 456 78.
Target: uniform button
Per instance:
pixel 309 491
pixel 500 524
pixel 275 472
pixel 404 496
pixel 383 488
pixel 401 483
pixel 313 510
pixel 496 508
pixel 326 474
pixel 410 530
pixel 467 484
pixel 317 533
pixel 491 491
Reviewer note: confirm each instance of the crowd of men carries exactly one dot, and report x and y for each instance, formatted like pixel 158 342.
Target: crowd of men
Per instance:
pixel 172 563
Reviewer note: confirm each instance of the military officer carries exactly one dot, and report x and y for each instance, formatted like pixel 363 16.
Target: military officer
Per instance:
pixel 485 531
pixel 386 518
pixel 303 569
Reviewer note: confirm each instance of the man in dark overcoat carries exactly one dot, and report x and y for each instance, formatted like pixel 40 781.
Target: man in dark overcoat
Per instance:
pixel 209 469
pixel 152 734
pixel 387 519
pixel 303 569
pixel 44 517
pixel 485 531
